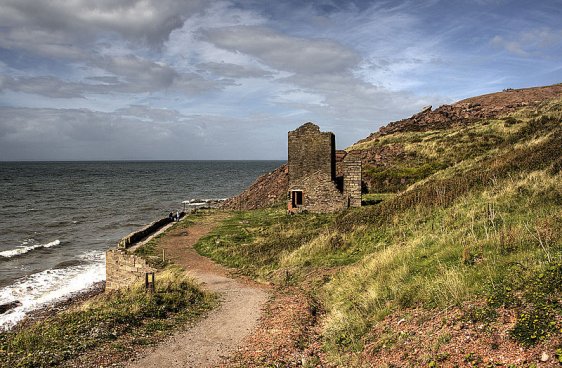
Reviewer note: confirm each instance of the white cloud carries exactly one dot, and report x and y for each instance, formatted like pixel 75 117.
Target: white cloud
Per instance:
pixel 530 42
pixel 46 86
pixel 282 52
pixel 148 20
pixel 79 71
pixel 134 132
pixel 230 70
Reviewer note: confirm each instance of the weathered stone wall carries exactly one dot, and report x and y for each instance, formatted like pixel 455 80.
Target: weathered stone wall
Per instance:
pixel 319 194
pixel 352 179
pixel 123 269
pixel 311 151
pixel 138 235
pixel 312 169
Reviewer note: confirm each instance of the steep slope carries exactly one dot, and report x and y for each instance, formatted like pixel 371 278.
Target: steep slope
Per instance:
pixel 461 266
pixel 268 189
pixel 409 150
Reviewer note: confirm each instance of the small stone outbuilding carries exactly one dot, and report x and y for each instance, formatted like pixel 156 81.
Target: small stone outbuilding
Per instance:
pixel 313 185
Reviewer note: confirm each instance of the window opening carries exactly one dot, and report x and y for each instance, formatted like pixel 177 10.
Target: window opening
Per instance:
pixel 296 198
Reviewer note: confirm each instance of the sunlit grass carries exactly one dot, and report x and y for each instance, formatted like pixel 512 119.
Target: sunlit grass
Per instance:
pixel 132 316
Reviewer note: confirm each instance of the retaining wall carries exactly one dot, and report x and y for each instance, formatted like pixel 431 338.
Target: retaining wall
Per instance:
pixel 138 235
pixel 123 269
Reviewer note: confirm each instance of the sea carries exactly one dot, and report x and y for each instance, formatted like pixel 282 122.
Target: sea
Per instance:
pixel 58 218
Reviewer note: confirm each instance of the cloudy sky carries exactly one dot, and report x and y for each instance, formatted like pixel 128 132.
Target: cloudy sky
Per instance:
pixel 190 79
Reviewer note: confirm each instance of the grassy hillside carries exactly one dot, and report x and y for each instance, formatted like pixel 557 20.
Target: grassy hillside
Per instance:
pixel 462 266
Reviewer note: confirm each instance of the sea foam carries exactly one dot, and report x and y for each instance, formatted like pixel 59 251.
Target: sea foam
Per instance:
pixel 26 248
pixel 43 288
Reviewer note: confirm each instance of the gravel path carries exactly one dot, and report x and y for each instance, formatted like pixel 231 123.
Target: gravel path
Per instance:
pixel 222 331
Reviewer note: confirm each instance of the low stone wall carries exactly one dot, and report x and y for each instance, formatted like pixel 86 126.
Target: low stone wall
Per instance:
pixel 123 269
pixel 138 235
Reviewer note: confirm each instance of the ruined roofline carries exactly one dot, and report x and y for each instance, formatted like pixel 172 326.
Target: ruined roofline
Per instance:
pixel 309 127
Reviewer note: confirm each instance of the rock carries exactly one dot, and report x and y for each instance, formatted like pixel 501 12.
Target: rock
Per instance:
pixel 544 357
pixel 7 306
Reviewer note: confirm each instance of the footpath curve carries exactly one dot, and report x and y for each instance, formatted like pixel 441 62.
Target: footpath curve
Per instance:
pixel 223 330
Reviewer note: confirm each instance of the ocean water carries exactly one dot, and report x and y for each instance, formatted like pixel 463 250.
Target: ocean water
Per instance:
pixel 58 218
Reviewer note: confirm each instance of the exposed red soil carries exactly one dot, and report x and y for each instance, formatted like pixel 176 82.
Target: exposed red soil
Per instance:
pixel 422 338
pixel 287 335
pixel 472 109
pixel 268 189
pixel 224 328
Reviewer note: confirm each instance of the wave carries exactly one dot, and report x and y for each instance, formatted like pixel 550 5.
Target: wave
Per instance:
pixel 27 248
pixel 49 286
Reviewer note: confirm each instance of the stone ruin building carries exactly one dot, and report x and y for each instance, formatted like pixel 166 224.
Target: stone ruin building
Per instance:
pixel 314 165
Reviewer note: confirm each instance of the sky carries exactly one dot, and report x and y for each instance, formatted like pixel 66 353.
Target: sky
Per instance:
pixel 204 80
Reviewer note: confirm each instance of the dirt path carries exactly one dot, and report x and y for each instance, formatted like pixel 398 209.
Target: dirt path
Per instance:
pixel 224 328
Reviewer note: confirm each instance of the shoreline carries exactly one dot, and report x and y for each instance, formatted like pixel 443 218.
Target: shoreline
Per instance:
pixel 55 326
pixel 66 302
pixel 52 309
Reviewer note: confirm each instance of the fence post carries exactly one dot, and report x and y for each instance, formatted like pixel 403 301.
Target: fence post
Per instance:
pixel 149 281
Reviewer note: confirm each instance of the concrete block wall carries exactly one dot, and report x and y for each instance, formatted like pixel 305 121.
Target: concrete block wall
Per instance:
pixel 124 269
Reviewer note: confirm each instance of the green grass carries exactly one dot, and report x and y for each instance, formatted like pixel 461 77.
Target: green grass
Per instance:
pixel 255 241
pixel 132 315
pixel 422 154
pixel 377 197
pixel 152 253
pixel 478 219
pixel 438 257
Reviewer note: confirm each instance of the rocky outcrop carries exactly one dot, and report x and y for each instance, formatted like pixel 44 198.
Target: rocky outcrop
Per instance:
pixel 8 306
pixel 470 110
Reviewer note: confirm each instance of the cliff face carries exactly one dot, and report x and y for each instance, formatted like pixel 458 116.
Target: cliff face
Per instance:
pixel 406 151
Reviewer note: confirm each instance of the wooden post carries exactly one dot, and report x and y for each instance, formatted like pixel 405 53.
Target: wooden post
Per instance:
pixel 149 281
pixel 163 256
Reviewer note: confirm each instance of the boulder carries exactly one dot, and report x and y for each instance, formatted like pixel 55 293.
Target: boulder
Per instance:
pixel 7 306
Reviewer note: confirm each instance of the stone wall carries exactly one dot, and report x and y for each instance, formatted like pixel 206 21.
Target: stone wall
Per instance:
pixel 311 151
pixel 319 194
pixel 123 269
pixel 352 179
pixel 312 170
pixel 146 231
